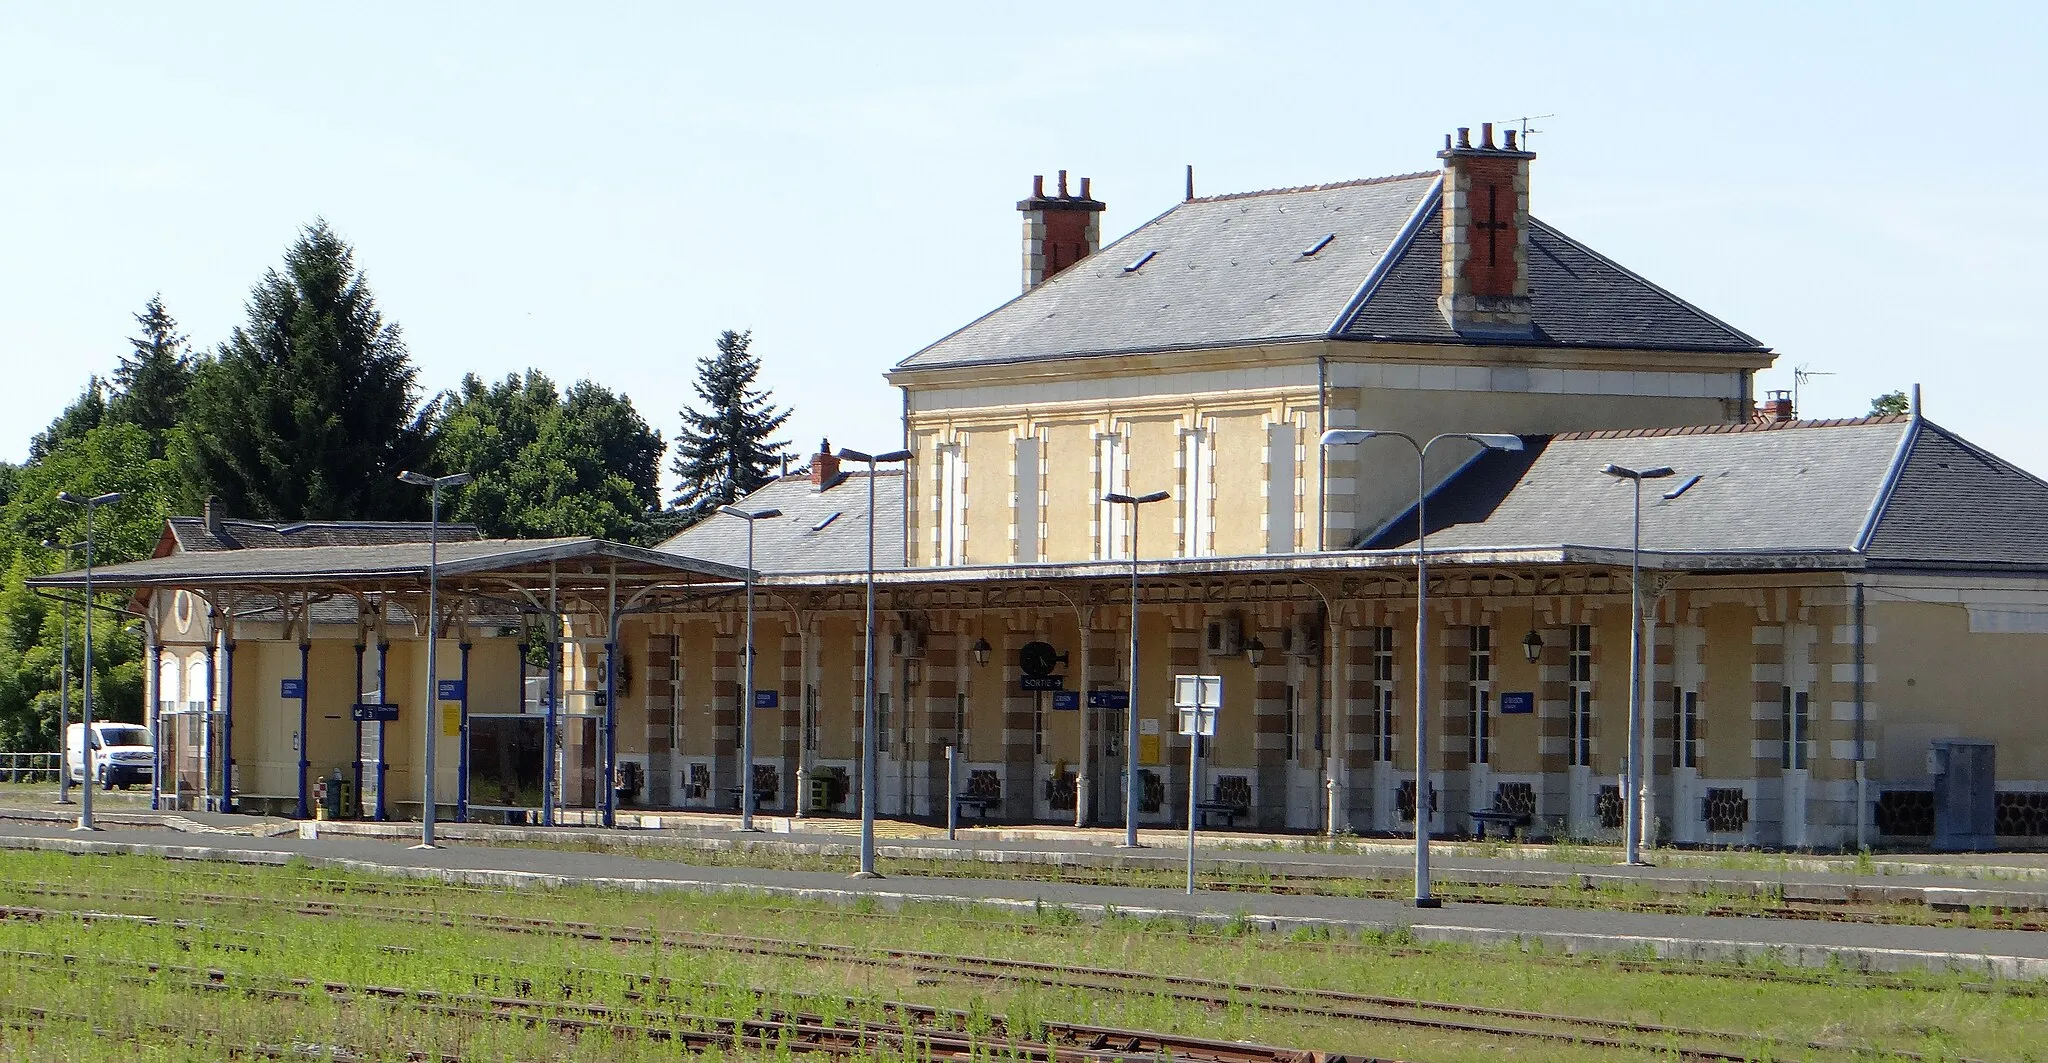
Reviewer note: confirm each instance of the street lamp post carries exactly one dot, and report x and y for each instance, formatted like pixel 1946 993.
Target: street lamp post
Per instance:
pixel 1638 812
pixel 64 681
pixel 1340 437
pixel 867 720
pixel 432 704
pixel 747 702
pixel 1131 695
pixel 85 701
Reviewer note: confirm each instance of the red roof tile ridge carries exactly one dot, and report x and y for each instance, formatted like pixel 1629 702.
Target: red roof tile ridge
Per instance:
pixel 1388 179
pixel 1732 429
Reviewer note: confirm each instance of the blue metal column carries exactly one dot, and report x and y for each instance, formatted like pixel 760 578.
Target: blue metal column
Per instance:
pixel 156 726
pixel 383 696
pixel 547 761
pixel 212 801
pixel 607 797
pixel 358 728
pixel 462 767
pixel 227 730
pixel 305 697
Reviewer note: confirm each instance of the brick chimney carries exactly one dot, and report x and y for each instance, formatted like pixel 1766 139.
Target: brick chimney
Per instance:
pixel 1778 408
pixel 1486 241
pixel 824 465
pixel 1059 230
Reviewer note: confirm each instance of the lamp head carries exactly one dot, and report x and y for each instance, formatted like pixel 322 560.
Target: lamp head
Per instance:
pixel 456 479
pixel 981 651
pixel 1625 473
pixel 1532 646
pixel 1344 437
pixel 749 515
pixel 417 479
pixel 1496 440
pixel 1255 652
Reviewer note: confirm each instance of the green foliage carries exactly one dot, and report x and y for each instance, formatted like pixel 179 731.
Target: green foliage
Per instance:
pixel 548 464
pixel 310 410
pixel 723 451
pixel 151 382
pixel 1892 403
pixel 83 415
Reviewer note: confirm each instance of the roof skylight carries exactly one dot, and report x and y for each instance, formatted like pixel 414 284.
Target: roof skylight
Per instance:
pixel 827 522
pixel 1682 488
pixel 1319 245
pixel 1140 263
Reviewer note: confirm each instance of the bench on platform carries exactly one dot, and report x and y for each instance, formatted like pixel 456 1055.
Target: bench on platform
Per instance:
pixel 1228 810
pixel 1514 808
pixel 984 792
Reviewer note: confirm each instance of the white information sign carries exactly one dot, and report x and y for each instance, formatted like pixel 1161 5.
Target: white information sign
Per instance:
pixel 1198 699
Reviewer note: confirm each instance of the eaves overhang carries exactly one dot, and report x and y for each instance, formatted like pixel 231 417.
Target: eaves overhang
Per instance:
pixel 326 566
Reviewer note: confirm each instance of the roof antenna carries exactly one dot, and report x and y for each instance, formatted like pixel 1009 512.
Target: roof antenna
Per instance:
pixel 1800 375
pixel 1523 122
pixel 1191 181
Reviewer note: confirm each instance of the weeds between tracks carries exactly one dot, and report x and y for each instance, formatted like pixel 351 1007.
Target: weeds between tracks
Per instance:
pixel 262 938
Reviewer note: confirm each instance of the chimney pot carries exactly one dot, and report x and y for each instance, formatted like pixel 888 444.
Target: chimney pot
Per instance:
pixel 1780 407
pixel 1059 230
pixel 1510 138
pixel 1447 142
pixel 1464 136
pixel 1063 185
pixel 1038 186
pixel 1486 135
pixel 824 465
pixel 1084 189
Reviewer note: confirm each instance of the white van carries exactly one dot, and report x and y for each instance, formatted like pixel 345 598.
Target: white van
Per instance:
pixel 122 753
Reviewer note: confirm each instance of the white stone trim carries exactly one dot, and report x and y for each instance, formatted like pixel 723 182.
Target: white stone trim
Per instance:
pixel 1111 388
pixel 1408 376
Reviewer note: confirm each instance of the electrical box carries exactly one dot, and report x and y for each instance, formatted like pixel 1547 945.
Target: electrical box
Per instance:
pixel 1223 636
pixel 1965 793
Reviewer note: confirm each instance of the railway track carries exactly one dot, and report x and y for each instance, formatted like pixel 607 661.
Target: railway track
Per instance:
pixel 1673 1041
pixel 438 891
pixel 914 1031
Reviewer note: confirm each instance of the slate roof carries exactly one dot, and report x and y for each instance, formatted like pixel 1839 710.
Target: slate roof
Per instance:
pixel 192 534
pixel 1578 298
pixel 1230 271
pixel 819 530
pixel 279 565
pixel 1898 491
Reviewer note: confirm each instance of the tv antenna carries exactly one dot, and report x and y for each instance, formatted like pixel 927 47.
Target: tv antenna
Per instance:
pixel 1800 375
pixel 1526 128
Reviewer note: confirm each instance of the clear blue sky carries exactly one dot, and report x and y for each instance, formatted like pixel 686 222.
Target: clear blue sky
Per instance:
pixel 597 190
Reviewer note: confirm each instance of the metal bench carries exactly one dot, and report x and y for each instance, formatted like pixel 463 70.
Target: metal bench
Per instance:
pixel 1229 810
pixel 1505 820
pixel 984 792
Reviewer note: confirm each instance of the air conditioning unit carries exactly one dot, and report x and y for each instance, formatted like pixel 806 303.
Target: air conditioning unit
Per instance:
pixel 1302 638
pixel 908 643
pixel 1223 636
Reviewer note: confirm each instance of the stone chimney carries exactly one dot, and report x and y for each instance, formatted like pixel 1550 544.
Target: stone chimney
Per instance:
pixel 1486 236
pixel 824 465
pixel 1059 230
pixel 214 517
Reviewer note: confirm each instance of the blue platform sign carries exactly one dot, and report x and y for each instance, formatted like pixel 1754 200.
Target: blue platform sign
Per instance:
pixel 1109 699
pixel 1517 702
pixel 289 689
pixel 1066 699
pixel 450 690
pixel 366 713
pixel 767 699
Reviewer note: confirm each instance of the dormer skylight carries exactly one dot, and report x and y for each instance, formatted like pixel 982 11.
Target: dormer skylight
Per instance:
pixel 1140 263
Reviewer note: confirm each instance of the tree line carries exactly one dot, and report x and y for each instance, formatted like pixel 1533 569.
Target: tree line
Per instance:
pixel 308 411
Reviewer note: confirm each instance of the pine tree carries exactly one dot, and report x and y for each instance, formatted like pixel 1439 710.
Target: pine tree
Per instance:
pixel 87 412
pixel 151 381
pixel 723 452
pixel 309 411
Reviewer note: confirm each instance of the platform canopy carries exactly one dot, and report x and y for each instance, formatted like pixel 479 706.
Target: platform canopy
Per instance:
pixel 569 564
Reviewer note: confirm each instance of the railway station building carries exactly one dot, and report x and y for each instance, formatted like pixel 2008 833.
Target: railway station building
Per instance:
pixel 1825 601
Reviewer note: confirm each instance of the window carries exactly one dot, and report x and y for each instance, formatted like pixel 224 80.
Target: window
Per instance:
pixel 882 721
pixel 1685 712
pixel 960 723
pixel 1579 697
pixel 1383 694
pixel 1579 739
pixel 1479 698
pixel 811 718
pixel 1480 740
pixel 1038 723
pixel 1580 657
pixel 1796 723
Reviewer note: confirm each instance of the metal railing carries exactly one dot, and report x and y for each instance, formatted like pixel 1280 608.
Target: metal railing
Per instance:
pixel 29 767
